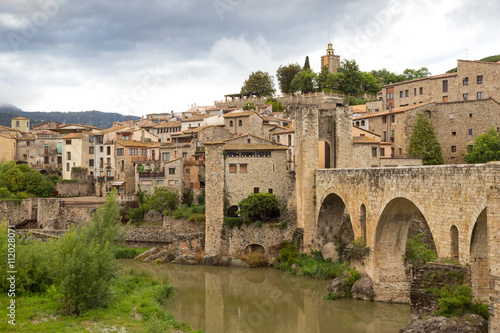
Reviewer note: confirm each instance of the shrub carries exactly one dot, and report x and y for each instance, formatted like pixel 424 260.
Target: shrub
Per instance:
pixel 255 259
pixel 331 296
pixel 232 222
pixel 358 249
pixel 352 277
pixel 458 301
pixel 198 218
pixel 128 252
pixel 288 255
pixel 187 197
pixel 259 206
pixel 417 252
pixel 201 198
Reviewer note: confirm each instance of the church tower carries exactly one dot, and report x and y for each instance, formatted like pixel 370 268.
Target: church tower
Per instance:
pixel 331 60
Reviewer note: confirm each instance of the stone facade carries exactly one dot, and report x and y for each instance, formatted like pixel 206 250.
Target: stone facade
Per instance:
pixel 81 188
pixel 17 212
pixel 160 236
pixel 331 60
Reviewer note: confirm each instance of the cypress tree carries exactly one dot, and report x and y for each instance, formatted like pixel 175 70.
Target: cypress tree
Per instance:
pixel 306 64
pixel 424 143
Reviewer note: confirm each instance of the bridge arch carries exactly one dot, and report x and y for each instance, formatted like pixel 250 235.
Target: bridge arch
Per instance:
pixel 254 248
pixel 479 264
pixel 334 221
pixel 390 240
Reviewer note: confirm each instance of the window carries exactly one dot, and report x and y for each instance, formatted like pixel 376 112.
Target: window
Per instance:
pixel 255 190
pixel 393 118
pixel 453 149
pixel 46 160
pixel 68 142
pixel 119 151
pixel 159 182
pixel 470 131
pixel 382 152
pixel 17 123
pixel 59 159
pixel 171 171
pixel 166 156
pixel 91 163
pixel 188 170
pixel 362 123
pixel 184 155
pixel 91 149
pixel 240 122
pixel 445 86
pixel 171 182
pixel 453 133
pixel 108 150
pixel 407 93
pixel 133 151
pixel 479 95
pixel 91 138
pixel 445 99
pixel 479 79
pixel 384 120
pixel 374 152
pixel 108 161
pixel 390 96
pixel 414 91
pixel 465 97
pixel 392 135
pixel 231 123
pixel 232 168
pixel 243 168
pixel 126 137
pixel 401 94
pixel 67 166
pixel 101 149
pixel 392 152
pixel 400 151
pixel 68 156
pixel 421 90
pixel 144 152
pixel 123 165
pixel 465 81
pixel 270 191
pixel 384 136
pixel 470 115
pixel 101 162
pixel 27 143
pixel 248 141
pixel 45 149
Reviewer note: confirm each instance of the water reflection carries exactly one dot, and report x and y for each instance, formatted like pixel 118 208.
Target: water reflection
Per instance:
pixel 221 299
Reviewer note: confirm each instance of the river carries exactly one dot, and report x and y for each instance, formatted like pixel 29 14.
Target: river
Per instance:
pixel 223 299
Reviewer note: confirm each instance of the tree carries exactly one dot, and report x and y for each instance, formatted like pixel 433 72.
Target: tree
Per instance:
pixel 385 77
pixel 369 83
pixel 285 75
pixel 486 148
pixel 249 106
pixel 259 206
pixel 424 143
pixel 277 106
pixel 304 82
pixel 306 64
pixel 350 81
pixel 412 74
pixel 323 78
pixel 259 83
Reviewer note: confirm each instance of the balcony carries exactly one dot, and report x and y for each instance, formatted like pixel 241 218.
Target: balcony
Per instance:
pixel 154 174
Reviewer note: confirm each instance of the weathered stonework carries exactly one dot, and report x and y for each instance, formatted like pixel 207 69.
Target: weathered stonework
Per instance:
pixel 81 188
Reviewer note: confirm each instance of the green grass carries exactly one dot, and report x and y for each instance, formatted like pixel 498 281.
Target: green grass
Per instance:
pixel 129 252
pixel 136 307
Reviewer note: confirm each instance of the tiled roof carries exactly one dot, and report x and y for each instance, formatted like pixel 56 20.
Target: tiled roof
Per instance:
pixel 396 110
pixel 86 126
pixel 193 118
pixel 20 118
pixel 275 118
pixel 234 114
pixel 250 146
pixel 137 143
pixel 73 136
pixel 111 130
pixel 287 131
pixel 433 77
pixel 363 139
pixel 231 139
pixel 165 124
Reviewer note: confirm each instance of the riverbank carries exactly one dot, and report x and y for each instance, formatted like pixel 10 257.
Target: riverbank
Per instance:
pixel 136 306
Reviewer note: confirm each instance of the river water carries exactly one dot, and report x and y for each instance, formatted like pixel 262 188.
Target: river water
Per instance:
pixel 223 299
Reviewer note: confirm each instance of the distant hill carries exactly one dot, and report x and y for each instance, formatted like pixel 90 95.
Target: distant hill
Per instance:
pixel 494 58
pixel 94 118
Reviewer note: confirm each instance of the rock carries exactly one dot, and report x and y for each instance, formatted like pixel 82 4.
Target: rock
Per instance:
pixel 363 288
pixel 209 260
pixel 153 216
pixel 224 261
pixel 163 256
pixel 338 286
pixel 238 262
pixel 469 323
pixel 329 250
pixel 186 259
pixel 148 253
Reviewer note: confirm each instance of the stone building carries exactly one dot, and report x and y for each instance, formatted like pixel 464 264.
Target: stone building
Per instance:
pixel 43 151
pixel 331 60
pixel 9 150
pixel 286 137
pixel 165 129
pixel 46 126
pixel 244 122
pixel 21 124
pixel 75 153
pixel 473 80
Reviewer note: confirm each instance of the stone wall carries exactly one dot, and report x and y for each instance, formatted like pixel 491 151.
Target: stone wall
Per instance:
pixel 182 226
pixel 160 236
pixel 81 188
pixel 18 211
pixel 53 214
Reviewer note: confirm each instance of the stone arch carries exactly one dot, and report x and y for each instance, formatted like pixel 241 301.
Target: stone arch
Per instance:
pixel 479 266
pixel 454 248
pixel 334 222
pixel 231 211
pixel 390 241
pixel 362 221
pixel 44 172
pixel 255 248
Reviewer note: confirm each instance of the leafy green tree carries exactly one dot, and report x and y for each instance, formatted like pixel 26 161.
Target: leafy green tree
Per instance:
pixel 306 64
pixel 304 82
pixel 350 78
pixel 486 148
pixel 285 75
pixel 323 78
pixel 412 74
pixel 369 83
pixel 424 143
pixel 187 197
pixel 385 77
pixel 259 206
pixel 162 199
pixel 249 106
pixel 417 253
pixel 259 83
pixel 277 106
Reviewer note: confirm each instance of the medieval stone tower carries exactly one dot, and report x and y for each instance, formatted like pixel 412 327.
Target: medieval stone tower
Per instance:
pixel 331 60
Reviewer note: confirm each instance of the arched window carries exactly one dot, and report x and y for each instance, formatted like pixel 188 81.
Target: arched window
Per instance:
pixel 240 122
pixel 231 123
pixel 362 123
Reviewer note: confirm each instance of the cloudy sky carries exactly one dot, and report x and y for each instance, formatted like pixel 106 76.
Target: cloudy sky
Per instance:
pixel 147 56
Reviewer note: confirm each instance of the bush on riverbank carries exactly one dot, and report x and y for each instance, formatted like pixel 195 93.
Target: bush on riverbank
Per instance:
pixel 123 252
pixel 455 302
pixel 290 260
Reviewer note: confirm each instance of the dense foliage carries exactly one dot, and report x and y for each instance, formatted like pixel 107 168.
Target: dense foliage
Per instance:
pixel 486 148
pixel 417 253
pixel 259 206
pixel 424 143
pixel 259 83
pixel 20 182
pixel 455 302
pixel 285 75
